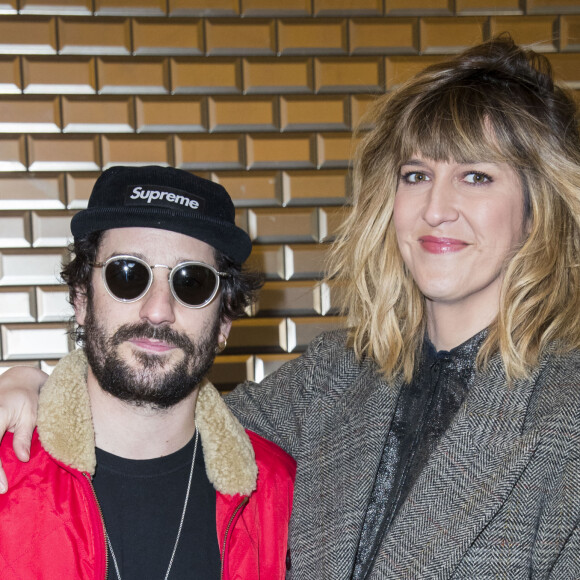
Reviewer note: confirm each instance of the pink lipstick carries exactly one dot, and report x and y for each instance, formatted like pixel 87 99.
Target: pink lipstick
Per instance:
pixel 435 245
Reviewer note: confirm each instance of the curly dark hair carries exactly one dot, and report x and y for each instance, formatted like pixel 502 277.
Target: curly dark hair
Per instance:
pixel 239 289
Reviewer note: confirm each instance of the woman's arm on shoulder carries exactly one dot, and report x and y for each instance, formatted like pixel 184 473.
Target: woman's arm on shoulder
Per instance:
pixel 19 387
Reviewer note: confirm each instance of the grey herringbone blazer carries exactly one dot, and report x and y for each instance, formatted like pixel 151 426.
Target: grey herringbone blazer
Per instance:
pixel 498 498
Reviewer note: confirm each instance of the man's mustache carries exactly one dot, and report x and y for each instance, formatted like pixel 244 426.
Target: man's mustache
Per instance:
pixel 147 330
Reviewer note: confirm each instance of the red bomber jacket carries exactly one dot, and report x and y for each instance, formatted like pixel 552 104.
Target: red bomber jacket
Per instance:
pixel 50 521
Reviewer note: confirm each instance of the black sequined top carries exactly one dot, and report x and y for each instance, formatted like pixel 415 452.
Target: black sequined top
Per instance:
pixel 425 408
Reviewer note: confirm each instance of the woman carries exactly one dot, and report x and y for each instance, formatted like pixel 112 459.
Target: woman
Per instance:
pixel 439 436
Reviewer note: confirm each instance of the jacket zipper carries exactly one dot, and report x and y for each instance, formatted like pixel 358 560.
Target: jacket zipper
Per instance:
pixel 224 544
pixel 88 478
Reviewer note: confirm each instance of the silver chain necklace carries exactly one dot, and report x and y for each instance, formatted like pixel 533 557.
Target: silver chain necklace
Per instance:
pixel 113 557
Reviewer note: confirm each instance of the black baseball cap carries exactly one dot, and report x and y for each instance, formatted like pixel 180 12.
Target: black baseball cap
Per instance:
pixel 165 198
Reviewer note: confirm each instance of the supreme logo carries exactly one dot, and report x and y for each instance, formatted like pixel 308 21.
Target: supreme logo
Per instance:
pixel 164 197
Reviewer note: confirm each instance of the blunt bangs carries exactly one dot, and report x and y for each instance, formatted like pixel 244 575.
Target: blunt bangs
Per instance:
pixel 466 124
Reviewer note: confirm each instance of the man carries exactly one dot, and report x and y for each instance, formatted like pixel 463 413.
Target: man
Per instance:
pixel 137 468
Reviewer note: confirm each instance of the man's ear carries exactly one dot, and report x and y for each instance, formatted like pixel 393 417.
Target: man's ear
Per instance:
pixel 80 307
pixel 225 327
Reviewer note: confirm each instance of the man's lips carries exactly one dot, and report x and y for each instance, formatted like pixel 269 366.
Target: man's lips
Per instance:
pixel 435 245
pixel 152 345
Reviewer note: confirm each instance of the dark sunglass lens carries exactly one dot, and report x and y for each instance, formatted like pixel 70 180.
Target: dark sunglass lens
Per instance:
pixel 194 284
pixel 126 278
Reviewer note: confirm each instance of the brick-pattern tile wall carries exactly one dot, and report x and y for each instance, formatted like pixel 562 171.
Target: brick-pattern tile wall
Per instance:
pixel 259 95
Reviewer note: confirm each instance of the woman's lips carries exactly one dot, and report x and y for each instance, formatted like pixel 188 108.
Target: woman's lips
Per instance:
pixel 153 345
pixel 436 245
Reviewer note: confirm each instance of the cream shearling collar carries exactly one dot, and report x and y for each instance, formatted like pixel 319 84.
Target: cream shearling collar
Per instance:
pixel 65 428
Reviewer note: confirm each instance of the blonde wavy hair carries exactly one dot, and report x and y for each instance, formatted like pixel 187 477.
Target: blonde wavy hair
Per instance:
pixel 495 102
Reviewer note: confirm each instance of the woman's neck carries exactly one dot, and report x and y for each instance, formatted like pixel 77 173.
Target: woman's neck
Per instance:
pixel 450 325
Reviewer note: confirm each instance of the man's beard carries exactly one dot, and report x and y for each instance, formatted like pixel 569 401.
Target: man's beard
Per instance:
pixel 151 384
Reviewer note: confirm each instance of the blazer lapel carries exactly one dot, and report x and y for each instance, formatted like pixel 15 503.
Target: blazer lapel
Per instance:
pixel 466 481
pixel 354 428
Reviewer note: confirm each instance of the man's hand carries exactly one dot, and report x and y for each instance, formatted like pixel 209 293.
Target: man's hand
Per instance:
pixel 19 387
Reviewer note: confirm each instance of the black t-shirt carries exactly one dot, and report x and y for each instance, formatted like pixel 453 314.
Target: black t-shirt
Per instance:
pixel 142 502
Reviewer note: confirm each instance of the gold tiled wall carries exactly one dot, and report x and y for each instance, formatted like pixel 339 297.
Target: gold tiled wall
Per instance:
pixel 260 95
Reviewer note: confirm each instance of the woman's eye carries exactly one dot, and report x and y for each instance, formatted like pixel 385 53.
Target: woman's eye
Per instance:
pixel 477 178
pixel 415 177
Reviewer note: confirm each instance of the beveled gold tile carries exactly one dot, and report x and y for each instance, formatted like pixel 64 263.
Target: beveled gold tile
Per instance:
pixel 12 153
pixel 8 7
pixel 130 7
pixel 352 74
pixel 63 153
pixel 83 7
pixel 383 35
pixel 359 107
pixel 418 7
pixel 279 151
pixel 398 69
pixel 27 35
pixel 287 299
pixel 497 7
pixel 200 76
pixel 10 77
pixel 29 115
pixel 287 225
pixel 78 189
pixel 276 8
pixel 22 268
pixel 305 261
pixel 263 334
pixel 251 189
pixel 24 341
pixel 270 260
pixel 445 35
pixel 226 36
pixel 570 33
pixel 101 114
pixel 62 75
pixel 174 114
pixel 330 219
pixel 208 152
pixel 320 36
pixel 265 364
pixel 17 305
pixel 348 7
pixel 15 231
pixel 168 36
pixel 327 298
pixel 335 149
pixel 127 76
pixel 566 68
pixel 552 6
pixel 203 8
pixel 136 150
pixel 53 304
pixel 230 370
pixel 110 36
pixel 37 191
pixel 242 114
pixel 539 32
pixel 307 329
pixel 302 113
pixel 315 187
pixel 291 75
pixel 51 229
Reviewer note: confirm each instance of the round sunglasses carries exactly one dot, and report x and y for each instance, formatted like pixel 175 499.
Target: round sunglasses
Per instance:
pixel 128 278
